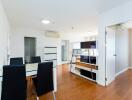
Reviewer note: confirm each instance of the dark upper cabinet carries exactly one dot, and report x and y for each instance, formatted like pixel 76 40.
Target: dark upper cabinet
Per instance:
pixel 88 44
pixel 83 45
pixel 92 44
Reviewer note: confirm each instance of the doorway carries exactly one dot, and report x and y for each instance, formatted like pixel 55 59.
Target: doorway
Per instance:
pixel 64 50
pixel 117 41
pixel 30 48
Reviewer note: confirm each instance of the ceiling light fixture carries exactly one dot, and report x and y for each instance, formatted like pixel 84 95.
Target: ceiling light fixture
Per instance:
pixel 46 22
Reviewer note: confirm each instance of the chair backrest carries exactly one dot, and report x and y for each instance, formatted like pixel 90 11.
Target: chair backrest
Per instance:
pixel 16 61
pixel 14 84
pixel 36 59
pixel 45 78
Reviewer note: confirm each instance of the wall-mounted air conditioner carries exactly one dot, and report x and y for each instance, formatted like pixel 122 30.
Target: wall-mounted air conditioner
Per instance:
pixel 52 34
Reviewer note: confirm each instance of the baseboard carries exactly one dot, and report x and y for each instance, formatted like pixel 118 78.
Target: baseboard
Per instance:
pixel 65 62
pixel 101 83
pixel 130 67
pixel 122 71
pixel 109 81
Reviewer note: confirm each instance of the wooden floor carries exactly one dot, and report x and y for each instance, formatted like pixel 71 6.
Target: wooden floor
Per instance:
pixel 72 87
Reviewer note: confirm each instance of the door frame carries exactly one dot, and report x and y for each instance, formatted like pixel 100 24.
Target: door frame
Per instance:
pixel 105 55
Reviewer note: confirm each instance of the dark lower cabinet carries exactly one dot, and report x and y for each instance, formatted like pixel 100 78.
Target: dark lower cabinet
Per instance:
pixel 88 74
pixel 92 60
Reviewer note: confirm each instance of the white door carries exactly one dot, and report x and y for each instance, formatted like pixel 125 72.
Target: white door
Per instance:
pixel 110 54
pixel 122 49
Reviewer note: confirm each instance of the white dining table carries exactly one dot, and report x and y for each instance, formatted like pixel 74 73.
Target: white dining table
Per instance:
pixel 31 69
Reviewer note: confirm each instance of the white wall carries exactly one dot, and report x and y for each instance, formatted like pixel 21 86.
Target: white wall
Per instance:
pixel 114 16
pixel 73 37
pixel 121 49
pixel 17 42
pixel 4 36
pixel 130 48
pixel 91 38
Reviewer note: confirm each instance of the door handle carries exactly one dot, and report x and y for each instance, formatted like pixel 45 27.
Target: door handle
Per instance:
pixel 115 55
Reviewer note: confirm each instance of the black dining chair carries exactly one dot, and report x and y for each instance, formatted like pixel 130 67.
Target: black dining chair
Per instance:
pixel 36 59
pixel 44 80
pixel 14 84
pixel 16 61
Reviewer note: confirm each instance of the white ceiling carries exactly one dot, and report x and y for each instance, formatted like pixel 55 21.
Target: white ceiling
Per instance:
pixel 82 15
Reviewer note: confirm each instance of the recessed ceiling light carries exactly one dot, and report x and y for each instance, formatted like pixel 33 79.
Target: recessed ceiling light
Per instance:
pixel 46 22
